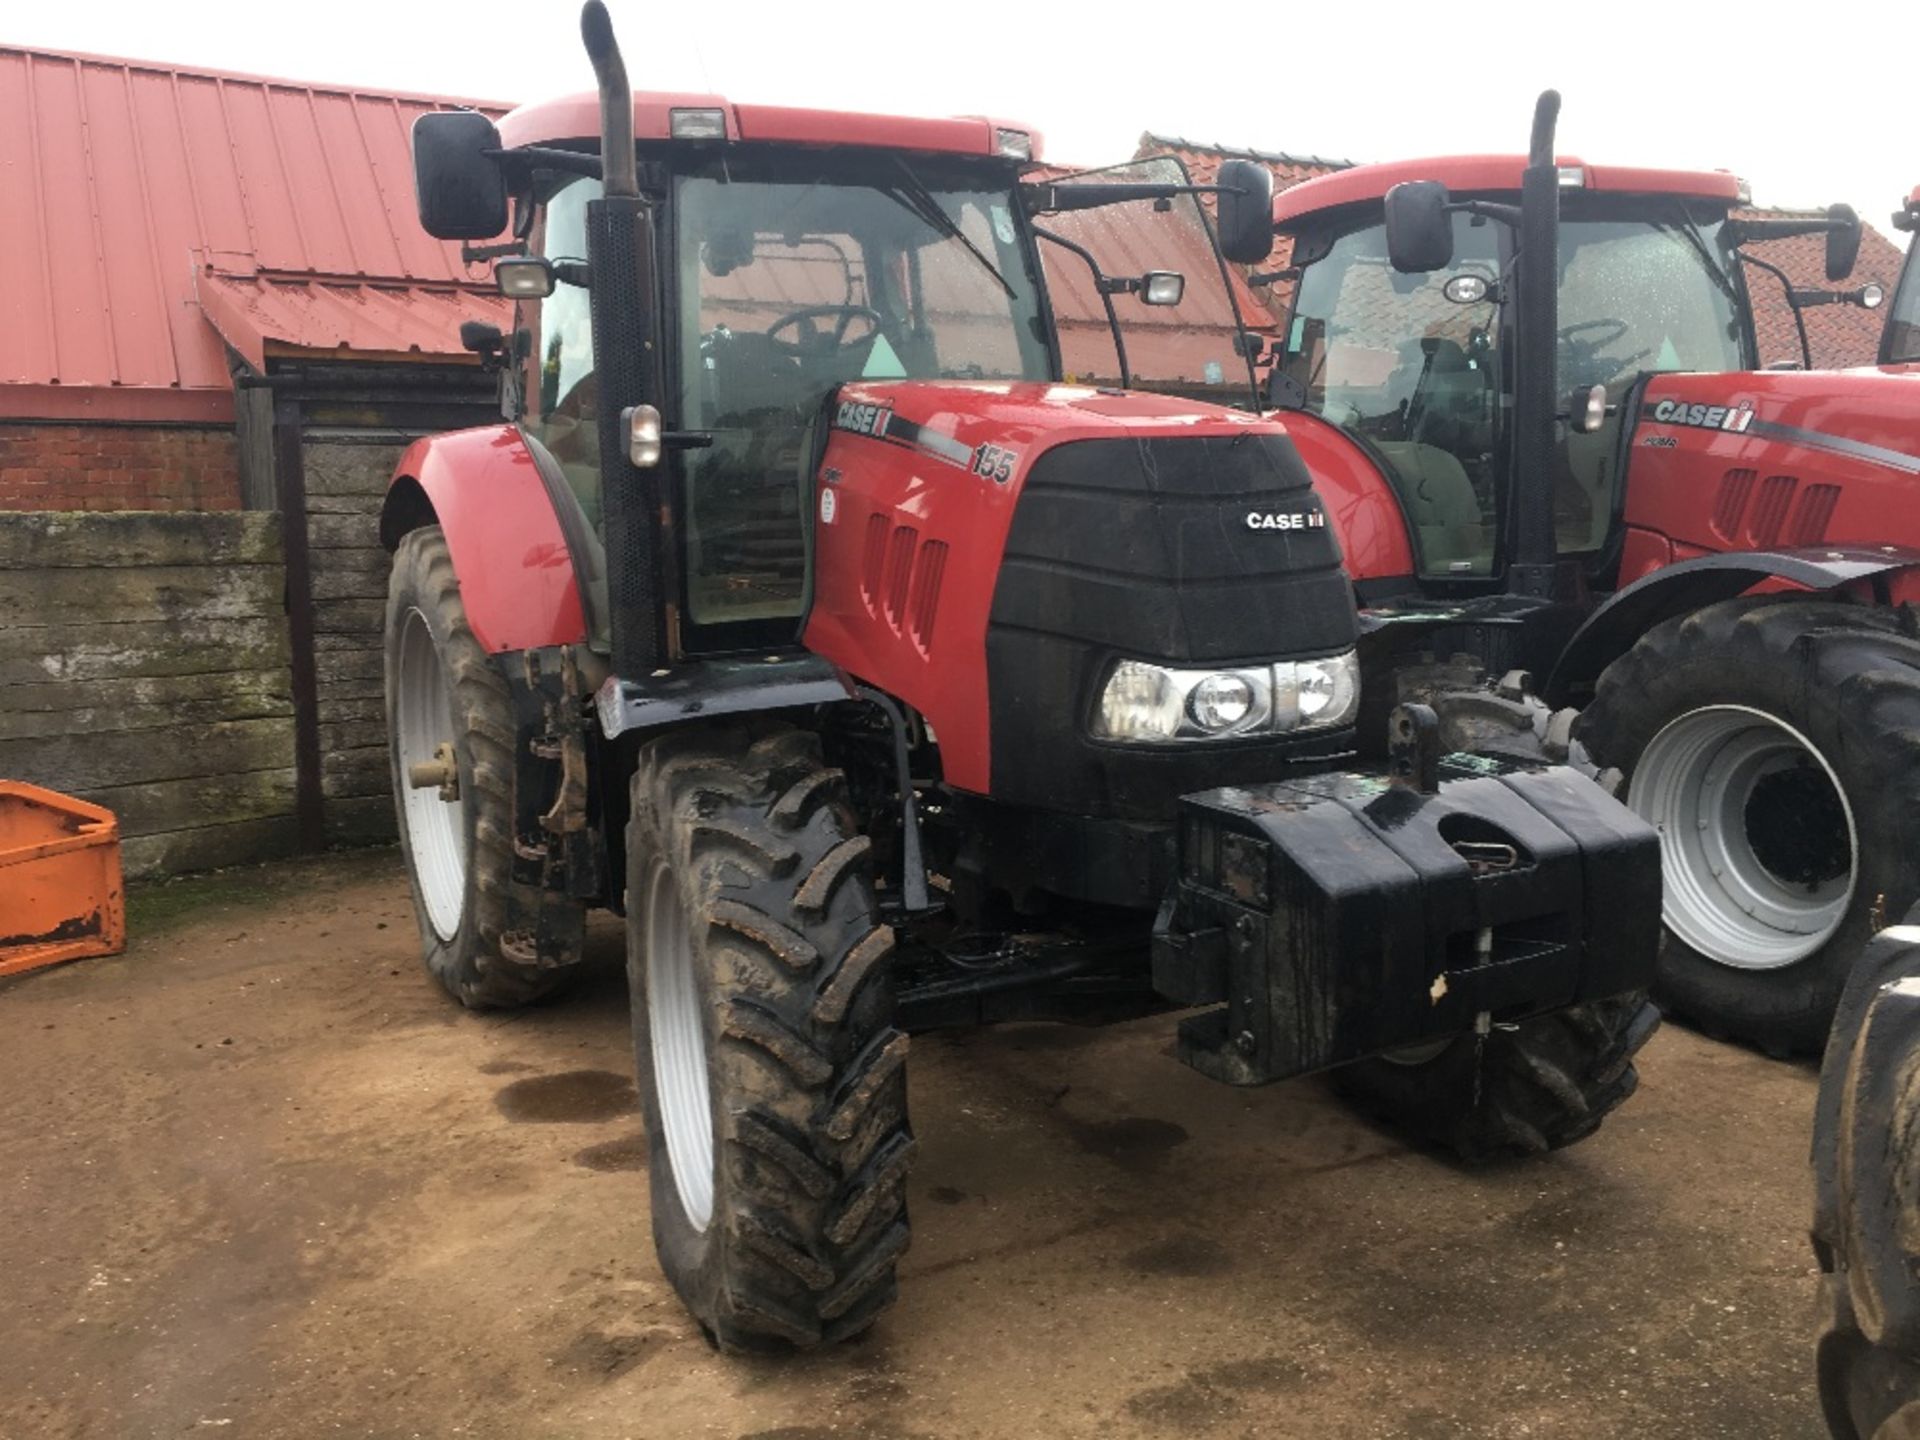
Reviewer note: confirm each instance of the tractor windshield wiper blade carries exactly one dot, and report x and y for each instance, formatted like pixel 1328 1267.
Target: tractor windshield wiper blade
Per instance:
pixel 1688 228
pixel 913 196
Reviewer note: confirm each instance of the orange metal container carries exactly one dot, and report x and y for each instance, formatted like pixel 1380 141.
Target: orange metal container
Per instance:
pixel 60 890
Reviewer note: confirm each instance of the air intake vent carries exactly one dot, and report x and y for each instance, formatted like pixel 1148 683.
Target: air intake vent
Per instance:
pixel 1736 486
pixel 873 561
pixel 899 571
pixel 1813 514
pixel 925 599
pixel 1770 510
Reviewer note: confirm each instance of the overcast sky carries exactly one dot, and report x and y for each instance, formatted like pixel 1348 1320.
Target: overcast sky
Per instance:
pixel 1811 103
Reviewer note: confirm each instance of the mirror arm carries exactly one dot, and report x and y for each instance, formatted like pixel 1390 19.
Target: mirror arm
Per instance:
pixel 1786 285
pixel 480 254
pixel 1106 298
pixel 545 157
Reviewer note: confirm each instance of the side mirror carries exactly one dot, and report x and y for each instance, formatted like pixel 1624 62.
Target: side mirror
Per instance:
pixel 1843 241
pixel 460 188
pixel 1419 229
pixel 1245 211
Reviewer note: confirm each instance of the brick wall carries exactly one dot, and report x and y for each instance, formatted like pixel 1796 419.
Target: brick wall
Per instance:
pixel 118 467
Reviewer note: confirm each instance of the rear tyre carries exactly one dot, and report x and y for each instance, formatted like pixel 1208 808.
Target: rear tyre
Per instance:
pixel 1519 1090
pixel 771 1074
pixel 1775 743
pixel 443 691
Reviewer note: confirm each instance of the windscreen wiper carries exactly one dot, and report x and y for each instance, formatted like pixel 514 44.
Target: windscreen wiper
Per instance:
pixel 1691 230
pixel 913 196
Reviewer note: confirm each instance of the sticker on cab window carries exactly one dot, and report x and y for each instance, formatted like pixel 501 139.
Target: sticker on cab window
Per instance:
pixel 1002 224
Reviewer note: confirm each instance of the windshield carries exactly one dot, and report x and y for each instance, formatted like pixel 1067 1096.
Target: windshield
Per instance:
pixel 1418 379
pixel 1903 319
pixel 1185 349
pixel 791 286
pixel 1639 295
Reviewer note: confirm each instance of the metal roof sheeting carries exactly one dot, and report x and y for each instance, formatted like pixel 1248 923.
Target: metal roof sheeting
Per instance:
pixel 141 191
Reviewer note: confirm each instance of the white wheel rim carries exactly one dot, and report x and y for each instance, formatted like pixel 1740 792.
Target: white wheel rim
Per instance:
pixel 436 828
pixel 679 1043
pixel 1759 857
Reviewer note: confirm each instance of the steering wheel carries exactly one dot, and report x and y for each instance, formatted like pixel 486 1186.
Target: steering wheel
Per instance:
pixel 1614 330
pixel 809 341
pixel 1588 357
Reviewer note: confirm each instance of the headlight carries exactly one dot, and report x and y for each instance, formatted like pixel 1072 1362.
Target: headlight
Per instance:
pixel 1152 702
pixel 1156 702
pixel 1328 690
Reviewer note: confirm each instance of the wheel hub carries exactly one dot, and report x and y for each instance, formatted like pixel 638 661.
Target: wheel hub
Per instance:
pixel 1759 853
pixel 435 816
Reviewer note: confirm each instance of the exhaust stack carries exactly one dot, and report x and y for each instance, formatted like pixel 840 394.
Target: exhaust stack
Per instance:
pixel 623 299
pixel 1531 568
pixel 620 173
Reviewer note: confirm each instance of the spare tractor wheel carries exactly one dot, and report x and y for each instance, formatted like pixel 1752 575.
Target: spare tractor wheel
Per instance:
pixel 1774 741
pixel 450 735
pixel 770 1070
pixel 1518 1089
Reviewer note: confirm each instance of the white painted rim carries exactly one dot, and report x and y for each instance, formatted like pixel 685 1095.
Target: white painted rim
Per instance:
pixel 678 1039
pixel 1700 784
pixel 436 828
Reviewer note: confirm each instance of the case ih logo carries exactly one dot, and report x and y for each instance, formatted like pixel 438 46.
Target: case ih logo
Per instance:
pixel 1703 417
pixel 1286 520
pixel 863 419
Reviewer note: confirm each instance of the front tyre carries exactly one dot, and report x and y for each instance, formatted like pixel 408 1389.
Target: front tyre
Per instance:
pixel 771 1075
pixel 449 712
pixel 1774 742
pixel 1518 1090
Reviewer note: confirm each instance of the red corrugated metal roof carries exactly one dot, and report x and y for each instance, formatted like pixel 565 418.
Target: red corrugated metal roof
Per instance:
pixel 139 191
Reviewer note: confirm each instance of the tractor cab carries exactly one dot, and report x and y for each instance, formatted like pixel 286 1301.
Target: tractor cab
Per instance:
pixel 793 253
pixel 1418 369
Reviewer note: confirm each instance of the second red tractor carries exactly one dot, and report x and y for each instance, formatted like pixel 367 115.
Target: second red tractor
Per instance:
pixel 1543 380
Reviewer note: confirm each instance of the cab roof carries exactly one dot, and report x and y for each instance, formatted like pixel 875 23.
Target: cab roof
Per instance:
pixel 1490 174
pixel 577 117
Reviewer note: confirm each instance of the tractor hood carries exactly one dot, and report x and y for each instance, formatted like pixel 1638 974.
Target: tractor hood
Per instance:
pixel 988 552
pixel 1815 419
pixel 951 421
pixel 1758 461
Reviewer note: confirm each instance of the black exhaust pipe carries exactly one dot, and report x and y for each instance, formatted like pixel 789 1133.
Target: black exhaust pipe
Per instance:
pixel 1530 569
pixel 623 291
pixel 618 168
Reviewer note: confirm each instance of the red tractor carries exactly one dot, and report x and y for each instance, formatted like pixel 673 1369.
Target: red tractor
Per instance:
pixel 1528 390
pixel 799 612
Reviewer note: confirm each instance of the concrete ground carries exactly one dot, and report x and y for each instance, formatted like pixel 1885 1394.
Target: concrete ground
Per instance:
pixel 258 1178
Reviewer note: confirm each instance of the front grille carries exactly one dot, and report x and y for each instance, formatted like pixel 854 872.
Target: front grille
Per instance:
pixel 1142 549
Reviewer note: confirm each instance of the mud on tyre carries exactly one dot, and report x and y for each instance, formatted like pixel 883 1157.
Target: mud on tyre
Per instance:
pixel 442 689
pixel 770 1072
pixel 1775 742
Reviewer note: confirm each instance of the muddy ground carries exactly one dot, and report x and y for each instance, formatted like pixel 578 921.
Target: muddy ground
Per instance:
pixel 258 1178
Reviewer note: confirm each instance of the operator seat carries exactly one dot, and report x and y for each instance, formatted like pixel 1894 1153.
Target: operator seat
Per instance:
pixel 1441 505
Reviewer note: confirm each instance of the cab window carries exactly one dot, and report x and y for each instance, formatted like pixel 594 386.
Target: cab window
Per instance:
pixel 561 407
pixel 794 283
pixel 1414 377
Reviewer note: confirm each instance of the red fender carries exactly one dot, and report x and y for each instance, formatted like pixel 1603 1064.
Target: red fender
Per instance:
pixel 482 489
